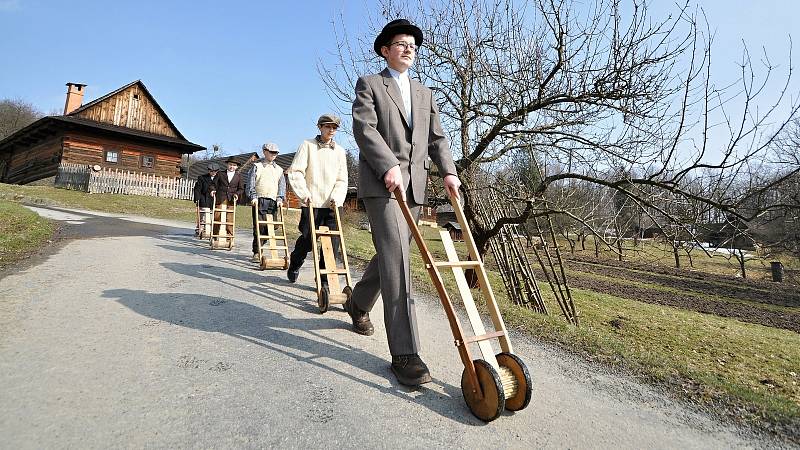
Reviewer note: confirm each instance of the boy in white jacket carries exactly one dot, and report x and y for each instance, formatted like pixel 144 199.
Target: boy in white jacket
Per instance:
pixel 318 176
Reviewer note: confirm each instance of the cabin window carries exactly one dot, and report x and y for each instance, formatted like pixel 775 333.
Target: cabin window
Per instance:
pixel 112 156
pixel 148 161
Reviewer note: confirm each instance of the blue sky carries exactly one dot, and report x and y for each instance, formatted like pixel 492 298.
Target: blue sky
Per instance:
pixel 244 73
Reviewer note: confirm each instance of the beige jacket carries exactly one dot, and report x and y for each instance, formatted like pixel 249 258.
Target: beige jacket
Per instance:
pixel 319 174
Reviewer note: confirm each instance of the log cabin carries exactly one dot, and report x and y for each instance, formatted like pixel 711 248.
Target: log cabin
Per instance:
pixel 125 129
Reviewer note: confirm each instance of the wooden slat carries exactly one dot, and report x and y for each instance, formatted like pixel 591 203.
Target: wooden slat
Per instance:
pixel 458 264
pixel 330 261
pixel 328 233
pixel 273 253
pixel 483 279
pixel 469 303
pixel 484 337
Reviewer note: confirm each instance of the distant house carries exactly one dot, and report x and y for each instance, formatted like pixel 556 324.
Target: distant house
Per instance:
pixel 454 228
pixel 125 129
pixel 444 214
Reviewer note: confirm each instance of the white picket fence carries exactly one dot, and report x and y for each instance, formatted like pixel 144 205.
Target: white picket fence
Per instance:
pixel 115 181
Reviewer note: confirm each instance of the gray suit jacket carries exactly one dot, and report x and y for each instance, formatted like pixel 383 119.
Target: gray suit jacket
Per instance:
pixel 385 140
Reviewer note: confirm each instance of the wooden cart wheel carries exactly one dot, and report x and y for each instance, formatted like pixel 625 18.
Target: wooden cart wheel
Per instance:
pixel 516 381
pixel 263 264
pixel 285 262
pixel 323 301
pixel 488 407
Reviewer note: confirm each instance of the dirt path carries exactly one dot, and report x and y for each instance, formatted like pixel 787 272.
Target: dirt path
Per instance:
pixel 148 339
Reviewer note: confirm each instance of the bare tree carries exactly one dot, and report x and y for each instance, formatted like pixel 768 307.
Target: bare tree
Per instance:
pixel 15 115
pixel 588 87
pixel 352 167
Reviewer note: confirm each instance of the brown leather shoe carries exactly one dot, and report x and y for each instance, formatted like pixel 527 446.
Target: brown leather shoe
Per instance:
pixel 410 370
pixel 361 322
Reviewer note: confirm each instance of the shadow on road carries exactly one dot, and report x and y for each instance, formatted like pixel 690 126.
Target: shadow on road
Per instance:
pixel 191 245
pixel 268 329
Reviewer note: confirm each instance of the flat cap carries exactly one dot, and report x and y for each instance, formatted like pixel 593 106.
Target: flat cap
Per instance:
pixel 270 147
pixel 329 118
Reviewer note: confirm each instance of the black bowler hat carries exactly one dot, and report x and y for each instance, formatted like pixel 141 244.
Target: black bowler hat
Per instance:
pixel 395 27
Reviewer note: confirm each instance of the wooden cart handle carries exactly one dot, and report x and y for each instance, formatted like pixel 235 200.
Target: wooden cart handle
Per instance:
pixel 455 325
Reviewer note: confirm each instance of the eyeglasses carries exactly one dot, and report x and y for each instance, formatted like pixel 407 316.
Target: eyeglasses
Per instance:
pixel 405 45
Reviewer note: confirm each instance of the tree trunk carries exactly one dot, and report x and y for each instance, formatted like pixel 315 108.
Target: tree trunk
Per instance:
pixel 677 256
pixel 740 257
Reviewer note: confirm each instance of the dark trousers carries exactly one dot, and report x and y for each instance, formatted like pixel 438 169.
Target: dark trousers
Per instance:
pixel 265 206
pixel 322 217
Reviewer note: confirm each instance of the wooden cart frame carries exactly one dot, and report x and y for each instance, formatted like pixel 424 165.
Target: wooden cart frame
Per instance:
pixel 495 382
pixel 230 219
pixel 270 258
pixel 330 294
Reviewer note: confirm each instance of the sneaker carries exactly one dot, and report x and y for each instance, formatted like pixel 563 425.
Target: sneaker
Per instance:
pixel 292 274
pixel 410 370
pixel 361 322
pixel 256 258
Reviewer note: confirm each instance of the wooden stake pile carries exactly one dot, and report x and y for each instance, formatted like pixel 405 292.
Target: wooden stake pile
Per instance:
pixel 514 264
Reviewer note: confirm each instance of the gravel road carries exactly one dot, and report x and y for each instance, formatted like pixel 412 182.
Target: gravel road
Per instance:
pixel 134 334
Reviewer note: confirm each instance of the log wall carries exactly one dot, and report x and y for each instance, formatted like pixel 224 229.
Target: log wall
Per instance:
pixel 40 161
pixel 82 149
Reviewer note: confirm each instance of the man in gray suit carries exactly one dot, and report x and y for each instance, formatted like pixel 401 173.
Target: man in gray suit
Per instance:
pixel 396 126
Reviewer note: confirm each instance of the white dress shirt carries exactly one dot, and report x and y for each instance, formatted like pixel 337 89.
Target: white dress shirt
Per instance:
pixel 404 84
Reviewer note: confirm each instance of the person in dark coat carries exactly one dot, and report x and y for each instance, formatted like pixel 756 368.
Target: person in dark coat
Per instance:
pixel 228 188
pixel 203 199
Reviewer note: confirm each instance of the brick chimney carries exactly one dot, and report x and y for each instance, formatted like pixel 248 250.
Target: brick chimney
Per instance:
pixel 74 97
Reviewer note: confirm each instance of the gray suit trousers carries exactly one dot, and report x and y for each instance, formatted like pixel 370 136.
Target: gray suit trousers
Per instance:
pixel 387 274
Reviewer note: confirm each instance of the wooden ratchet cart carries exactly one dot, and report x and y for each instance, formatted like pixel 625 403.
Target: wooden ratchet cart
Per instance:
pixel 229 213
pixel 330 294
pixel 494 382
pixel 269 257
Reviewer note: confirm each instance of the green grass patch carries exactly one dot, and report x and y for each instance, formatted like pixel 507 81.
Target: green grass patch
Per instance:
pixel 161 208
pixel 22 232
